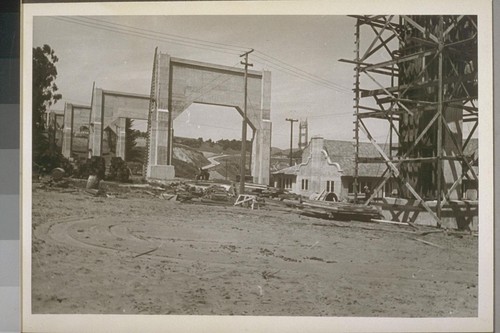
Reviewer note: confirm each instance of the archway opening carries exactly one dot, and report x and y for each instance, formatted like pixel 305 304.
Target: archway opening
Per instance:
pixel 208 138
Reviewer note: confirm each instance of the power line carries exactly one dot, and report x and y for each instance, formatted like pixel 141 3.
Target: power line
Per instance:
pixel 142 35
pixel 207 45
pixel 212 46
pixel 195 40
pixel 299 75
pixel 301 72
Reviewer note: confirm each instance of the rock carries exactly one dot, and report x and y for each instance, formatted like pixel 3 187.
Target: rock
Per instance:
pixel 92 182
pixel 57 173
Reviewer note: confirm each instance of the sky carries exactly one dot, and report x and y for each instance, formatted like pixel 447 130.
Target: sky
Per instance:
pixel 302 53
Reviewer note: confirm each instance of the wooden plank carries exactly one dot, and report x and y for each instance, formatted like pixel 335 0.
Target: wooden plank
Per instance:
pixel 428 243
pixel 394 222
pixel 420 28
pixel 399 60
pixel 388 93
pixel 369 51
pixel 368 160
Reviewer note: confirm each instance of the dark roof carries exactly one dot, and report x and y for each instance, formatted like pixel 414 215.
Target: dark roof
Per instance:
pixel 342 152
pixel 290 170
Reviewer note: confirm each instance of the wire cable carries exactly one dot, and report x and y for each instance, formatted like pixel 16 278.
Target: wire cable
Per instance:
pixel 207 45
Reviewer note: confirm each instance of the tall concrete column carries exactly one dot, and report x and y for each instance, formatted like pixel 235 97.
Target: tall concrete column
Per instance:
pixel 121 137
pixel 261 148
pixel 261 154
pixel 158 167
pixel 96 123
pixel 67 130
pixel 177 83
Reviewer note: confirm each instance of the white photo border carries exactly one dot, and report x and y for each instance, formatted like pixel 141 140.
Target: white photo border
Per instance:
pixel 183 323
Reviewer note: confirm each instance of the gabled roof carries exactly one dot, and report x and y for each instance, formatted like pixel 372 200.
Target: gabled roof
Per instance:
pixel 342 152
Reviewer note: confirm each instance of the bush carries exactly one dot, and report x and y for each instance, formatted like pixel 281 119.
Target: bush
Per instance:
pixel 48 162
pixel 119 170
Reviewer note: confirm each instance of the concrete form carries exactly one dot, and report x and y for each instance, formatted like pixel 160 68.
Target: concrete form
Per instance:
pixel 110 109
pixel 178 83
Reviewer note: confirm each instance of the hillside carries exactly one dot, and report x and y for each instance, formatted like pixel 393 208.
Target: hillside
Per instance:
pixel 229 166
pixel 189 155
pixel 187 161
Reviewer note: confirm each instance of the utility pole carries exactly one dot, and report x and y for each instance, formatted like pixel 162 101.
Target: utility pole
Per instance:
pixel 244 127
pixel 291 137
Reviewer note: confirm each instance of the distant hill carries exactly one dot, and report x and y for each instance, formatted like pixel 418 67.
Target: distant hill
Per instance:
pixel 276 151
pixel 188 156
pixel 285 152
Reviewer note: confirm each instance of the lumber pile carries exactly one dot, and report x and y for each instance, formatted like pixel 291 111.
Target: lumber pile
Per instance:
pixel 335 210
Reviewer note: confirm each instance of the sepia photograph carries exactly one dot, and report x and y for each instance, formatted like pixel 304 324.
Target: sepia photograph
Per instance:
pixel 219 162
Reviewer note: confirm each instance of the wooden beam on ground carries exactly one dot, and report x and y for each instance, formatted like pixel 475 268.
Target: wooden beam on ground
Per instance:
pixel 397 223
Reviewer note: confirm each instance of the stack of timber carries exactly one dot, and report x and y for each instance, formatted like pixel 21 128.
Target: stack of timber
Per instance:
pixel 217 194
pixel 335 210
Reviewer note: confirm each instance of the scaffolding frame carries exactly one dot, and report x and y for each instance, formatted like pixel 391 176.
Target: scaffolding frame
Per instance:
pixel 445 50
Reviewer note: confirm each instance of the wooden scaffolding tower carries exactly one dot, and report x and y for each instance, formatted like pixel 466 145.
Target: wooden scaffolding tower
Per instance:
pixel 418 74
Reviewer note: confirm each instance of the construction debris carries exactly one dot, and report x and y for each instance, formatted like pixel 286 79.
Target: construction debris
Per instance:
pixel 217 193
pixel 335 210
pixel 247 200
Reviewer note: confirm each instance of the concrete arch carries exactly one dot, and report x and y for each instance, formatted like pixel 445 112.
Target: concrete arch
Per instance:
pixel 110 109
pixel 75 116
pixel 178 83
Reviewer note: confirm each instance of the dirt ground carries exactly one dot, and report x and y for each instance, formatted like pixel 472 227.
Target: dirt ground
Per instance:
pixel 138 254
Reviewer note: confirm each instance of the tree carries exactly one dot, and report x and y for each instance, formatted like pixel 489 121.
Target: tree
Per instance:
pixel 132 153
pixel 44 95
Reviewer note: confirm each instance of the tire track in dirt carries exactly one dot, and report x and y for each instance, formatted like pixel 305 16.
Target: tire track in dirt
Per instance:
pixel 100 234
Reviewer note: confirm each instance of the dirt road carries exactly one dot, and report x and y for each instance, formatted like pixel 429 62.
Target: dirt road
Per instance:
pixel 138 254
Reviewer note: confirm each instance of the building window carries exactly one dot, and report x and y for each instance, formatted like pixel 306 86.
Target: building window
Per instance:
pixel 329 185
pixel 305 184
pixel 352 189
